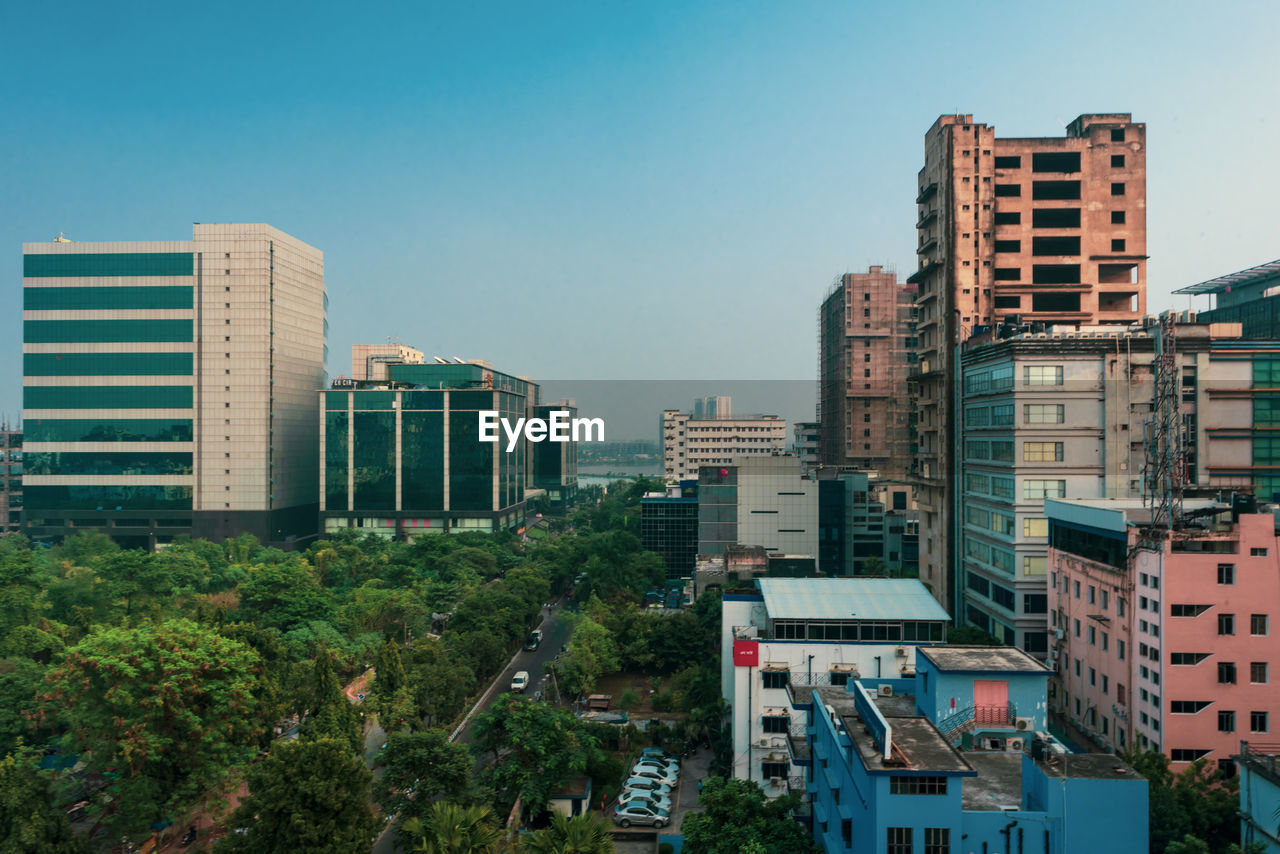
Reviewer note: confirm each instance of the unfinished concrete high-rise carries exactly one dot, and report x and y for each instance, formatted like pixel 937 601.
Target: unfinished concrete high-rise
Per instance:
pixel 866 340
pixel 1015 231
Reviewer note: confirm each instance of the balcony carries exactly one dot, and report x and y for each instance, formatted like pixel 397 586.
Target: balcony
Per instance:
pixel 927 192
pixel 926 218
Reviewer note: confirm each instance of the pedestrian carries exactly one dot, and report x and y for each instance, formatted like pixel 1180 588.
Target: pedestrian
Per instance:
pixel 699 787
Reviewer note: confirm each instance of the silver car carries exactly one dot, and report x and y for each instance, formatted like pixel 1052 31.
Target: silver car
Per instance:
pixel 644 799
pixel 646 784
pixel 628 814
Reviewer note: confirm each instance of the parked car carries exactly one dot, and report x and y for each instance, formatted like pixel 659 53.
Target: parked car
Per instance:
pixel 535 639
pixel 665 764
pixel 636 796
pixel 657 753
pixel 663 775
pixel 629 815
pixel 520 682
pixel 646 785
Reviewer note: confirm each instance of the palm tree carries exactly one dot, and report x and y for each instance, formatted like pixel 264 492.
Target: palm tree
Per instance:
pixel 454 829
pixel 582 834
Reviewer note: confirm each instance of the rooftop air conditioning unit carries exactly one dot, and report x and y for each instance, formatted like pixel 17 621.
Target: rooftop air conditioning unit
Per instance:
pixel 776 781
pixel 886 690
pixel 1023 724
pixel 1014 745
pixel 901 652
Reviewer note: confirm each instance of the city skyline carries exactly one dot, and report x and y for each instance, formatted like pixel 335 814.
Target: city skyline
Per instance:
pixel 602 175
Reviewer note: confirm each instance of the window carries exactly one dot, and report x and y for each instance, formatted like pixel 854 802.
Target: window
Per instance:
pixel 1093 595
pixel 1117 134
pixel 901 785
pixel 1043 413
pixel 1042 374
pixel 769 770
pixel 846 831
pixel 1120 649
pixel 1056 218
pixel 1226 721
pixel 1093 676
pixel 1187 610
pixel 1033 489
pixel 1226 673
pixel 1184 658
pixel 1006 190
pixel 1008 162
pixel 1258 552
pixel 899 841
pixel 1093 636
pixel 1117 245
pixel 776 678
pixel 1258 722
pixel 1117 217
pixel 1076 626
pixel 1226 573
pixel 1226 624
pixel 776 724
pixel 1257 624
pixel 1008 245
pixel 937 840
pixel 1008 218
pixel 1258 672
pixel 839 678
pixel 1185 755
pixel 1117 188
pixel 1117 161
pixel 1076 587
pixel 1188 707
pixel 1042 452
pixel 1035 527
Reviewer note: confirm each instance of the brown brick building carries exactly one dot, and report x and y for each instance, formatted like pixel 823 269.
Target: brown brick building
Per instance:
pixel 1024 230
pixel 866 341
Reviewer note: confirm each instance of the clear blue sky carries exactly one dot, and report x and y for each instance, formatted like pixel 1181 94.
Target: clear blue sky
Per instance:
pixel 604 189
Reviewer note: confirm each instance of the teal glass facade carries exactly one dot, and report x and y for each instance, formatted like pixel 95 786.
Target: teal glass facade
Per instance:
pixel 108 462
pixel 109 430
pixel 39 498
pixel 103 331
pixel 104 264
pixel 107 397
pixel 112 298
pixel 107 364
pixel 413 455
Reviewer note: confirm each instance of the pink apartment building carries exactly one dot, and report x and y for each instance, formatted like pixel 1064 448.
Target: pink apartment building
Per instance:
pixel 1170 649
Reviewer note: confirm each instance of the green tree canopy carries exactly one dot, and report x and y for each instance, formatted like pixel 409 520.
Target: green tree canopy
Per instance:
pixel 331 714
pixel 582 834
pixel 172 706
pixel 310 796
pixel 420 767
pixel 29 823
pixel 449 828
pixel 736 817
pixel 536 747
pixel 1196 802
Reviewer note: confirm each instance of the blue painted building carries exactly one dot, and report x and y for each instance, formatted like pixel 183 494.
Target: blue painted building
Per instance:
pixel 1259 767
pixel 982 690
pixel 882 778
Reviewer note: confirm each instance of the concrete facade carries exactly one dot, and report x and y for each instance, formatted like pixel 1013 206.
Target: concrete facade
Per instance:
pixel 1170 649
pixel 758 501
pixel 1062 414
pixel 689 442
pixel 1051 230
pixel 866 347
pixel 371 361
pixel 199 414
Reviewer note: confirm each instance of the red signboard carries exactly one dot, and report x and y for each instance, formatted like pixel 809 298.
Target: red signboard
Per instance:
pixel 746 653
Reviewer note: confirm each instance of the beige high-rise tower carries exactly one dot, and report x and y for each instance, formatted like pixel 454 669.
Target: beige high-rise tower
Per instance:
pixel 1015 230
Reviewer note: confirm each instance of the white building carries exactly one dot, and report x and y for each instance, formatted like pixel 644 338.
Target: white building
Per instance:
pixel 761 501
pixel 812 632
pixel 370 361
pixel 689 441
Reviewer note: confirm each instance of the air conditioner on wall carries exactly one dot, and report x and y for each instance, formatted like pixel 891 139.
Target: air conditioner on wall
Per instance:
pixel 1023 724
pixel 886 690
pixel 1014 745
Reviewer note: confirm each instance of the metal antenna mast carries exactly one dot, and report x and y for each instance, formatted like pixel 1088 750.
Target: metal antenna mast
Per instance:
pixel 1165 471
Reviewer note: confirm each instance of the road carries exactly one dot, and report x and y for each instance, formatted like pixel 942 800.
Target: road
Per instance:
pixel 555 633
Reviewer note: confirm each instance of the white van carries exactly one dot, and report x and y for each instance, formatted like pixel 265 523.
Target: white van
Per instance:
pixel 520 682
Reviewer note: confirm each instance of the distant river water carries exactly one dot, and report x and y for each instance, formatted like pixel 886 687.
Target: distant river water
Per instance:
pixel 606 473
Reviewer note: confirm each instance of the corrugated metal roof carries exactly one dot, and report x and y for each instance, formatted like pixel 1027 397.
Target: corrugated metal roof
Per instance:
pixel 1221 283
pixel 849 599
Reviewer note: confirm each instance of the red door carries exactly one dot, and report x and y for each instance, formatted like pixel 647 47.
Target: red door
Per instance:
pixel 991 701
